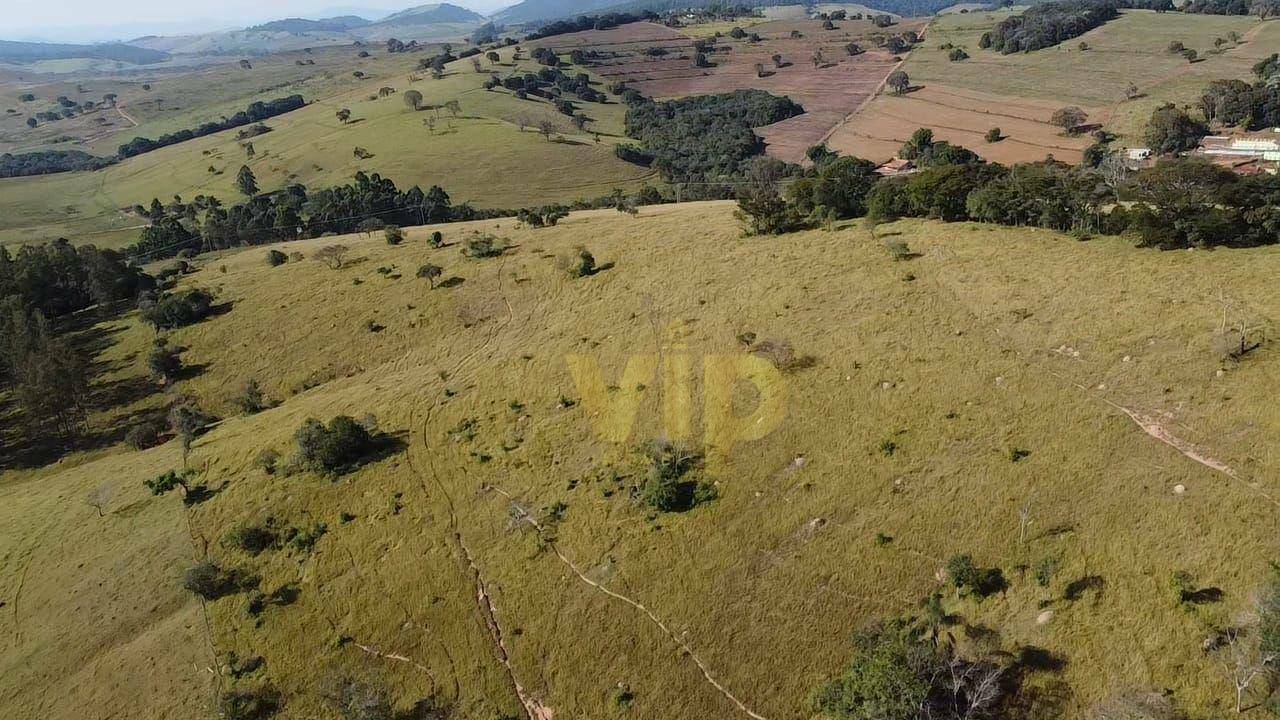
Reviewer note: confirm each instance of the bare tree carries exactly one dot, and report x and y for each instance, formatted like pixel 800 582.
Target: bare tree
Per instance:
pixel 1024 519
pixel 98 498
pixel 1244 662
pixel 547 128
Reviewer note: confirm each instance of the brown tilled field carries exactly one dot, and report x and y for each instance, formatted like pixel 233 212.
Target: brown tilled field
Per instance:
pixel 830 90
pixel 961 116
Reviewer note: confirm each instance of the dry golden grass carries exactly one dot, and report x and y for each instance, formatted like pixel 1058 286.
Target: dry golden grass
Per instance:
pixel 959 356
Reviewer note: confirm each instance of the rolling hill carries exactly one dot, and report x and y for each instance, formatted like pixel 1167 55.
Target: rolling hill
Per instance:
pixel 430 14
pixel 26 52
pixel 300 25
pixel 501 548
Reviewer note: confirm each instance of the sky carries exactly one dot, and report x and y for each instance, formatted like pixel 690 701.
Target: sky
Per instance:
pixel 96 20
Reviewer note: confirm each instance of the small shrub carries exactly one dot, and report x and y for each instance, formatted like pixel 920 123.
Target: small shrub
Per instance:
pixel 581 264
pixel 144 435
pixel 275 258
pixel 172 311
pixel 394 234
pixel 1045 570
pixel 482 246
pixel 970 579
pixel 335 448
pixel 211 582
pixel 899 251
pixel 267 460
pixel 437 239
pixel 671 484
pixel 250 399
pixel 303 539
pixel 256 704
pixel 253 539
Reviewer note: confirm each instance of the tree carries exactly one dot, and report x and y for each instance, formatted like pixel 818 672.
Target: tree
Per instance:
pixel 165 361
pixel 898 82
pixel 492 57
pixel 332 255
pixel 186 420
pixel 547 128
pixel 454 108
pixel 1069 118
pixel 1172 130
pixel 393 234
pixel 98 498
pixel 31 122
pixel 920 141
pixel 430 273
pixel 853 49
pixel 344 114
pixel 777 61
pixel 993 135
pixel 246 183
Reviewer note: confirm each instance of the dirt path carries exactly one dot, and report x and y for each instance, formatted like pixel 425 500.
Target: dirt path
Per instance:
pixel 924 31
pixel 524 516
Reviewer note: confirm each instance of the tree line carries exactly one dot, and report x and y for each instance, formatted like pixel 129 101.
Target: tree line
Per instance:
pixel 1179 203
pixel 38 285
pixel 368 203
pixel 256 112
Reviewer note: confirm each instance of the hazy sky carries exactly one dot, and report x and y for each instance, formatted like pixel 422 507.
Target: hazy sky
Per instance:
pixel 85 20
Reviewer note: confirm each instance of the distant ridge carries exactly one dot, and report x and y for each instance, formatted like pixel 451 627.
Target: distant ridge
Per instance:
pixel 432 14
pixel 334 24
pixel 25 52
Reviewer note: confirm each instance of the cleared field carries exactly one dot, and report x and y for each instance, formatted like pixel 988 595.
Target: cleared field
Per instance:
pixel 180 96
pixel 1003 340
pixel 481 157
pixel 1017 93
pixel 963 117
pixel 829 90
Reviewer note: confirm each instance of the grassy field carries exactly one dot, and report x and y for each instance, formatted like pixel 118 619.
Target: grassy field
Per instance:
pixel 1132 49
pixel 1005 367
pixel 482 156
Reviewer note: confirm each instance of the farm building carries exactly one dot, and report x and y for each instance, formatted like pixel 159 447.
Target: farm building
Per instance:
pixel 1264 145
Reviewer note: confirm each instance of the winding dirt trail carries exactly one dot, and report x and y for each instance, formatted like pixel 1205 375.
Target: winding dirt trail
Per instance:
pixel 524 516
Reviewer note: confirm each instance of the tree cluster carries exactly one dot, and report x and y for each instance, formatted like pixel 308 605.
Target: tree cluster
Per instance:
pixel 1049 23
pixel 705 139
pixel 291 213
pixel 47 162
pixel 256 112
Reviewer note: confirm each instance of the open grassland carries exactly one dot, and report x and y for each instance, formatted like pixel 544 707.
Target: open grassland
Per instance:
pixel 830 87
pixel 1002 368
pixel 481 156
pixel 179 97
pixel 1017 93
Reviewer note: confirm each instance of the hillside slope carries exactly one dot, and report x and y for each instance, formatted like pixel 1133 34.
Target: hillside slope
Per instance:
pixel 1003 368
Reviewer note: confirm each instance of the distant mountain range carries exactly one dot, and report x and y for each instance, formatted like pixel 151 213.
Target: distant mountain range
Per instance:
pixel 422 23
